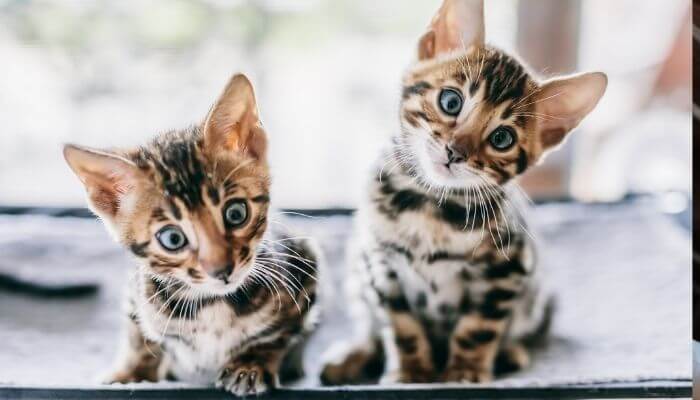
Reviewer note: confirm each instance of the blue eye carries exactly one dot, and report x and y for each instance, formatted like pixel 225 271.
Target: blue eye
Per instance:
pixel 502 138
pixel 236 213
pixel 171 238
pixel 451 102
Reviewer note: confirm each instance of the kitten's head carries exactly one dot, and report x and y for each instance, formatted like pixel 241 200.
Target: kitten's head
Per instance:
pixel 193 203
pixel 471 114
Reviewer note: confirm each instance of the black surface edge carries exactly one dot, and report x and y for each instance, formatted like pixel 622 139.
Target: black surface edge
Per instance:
pixel 362 392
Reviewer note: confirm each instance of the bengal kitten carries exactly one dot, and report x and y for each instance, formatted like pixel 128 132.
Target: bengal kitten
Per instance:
pixel 218 297
pixel 441 255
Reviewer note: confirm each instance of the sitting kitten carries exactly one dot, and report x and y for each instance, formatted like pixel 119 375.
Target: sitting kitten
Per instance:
pixel 441 255
pixel 218 297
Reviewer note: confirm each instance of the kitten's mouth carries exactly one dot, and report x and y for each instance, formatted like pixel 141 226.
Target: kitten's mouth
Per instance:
pixel 223 284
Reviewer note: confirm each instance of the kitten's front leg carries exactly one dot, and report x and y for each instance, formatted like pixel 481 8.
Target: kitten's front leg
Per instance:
pixel 255 371
pixel 477 336
pixel 474 344
pixel 410 341
pixel 139 358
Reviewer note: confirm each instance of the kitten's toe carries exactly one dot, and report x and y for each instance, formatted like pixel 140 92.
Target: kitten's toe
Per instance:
pixel 414 375
pixel 245 380
pixel 467 375
pixel 125 376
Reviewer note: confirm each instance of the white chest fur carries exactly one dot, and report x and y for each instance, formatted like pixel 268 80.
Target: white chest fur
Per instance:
pixel 198 348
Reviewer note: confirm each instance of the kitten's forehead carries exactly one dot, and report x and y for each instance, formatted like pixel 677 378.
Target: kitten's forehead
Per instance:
pixel 492 74
pixel 188 176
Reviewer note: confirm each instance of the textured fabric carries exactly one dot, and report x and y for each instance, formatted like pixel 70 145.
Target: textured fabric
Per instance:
pixel 621 274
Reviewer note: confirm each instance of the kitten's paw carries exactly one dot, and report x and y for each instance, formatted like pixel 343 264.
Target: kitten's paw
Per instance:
pixel 413 375
pixel 467 375
pixel 245 379
pixel 128 376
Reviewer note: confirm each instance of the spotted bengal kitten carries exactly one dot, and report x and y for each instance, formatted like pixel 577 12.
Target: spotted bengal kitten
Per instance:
pixel 218 297
pixel 441 256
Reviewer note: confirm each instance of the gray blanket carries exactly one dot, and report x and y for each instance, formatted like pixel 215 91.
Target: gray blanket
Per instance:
pixel 621 272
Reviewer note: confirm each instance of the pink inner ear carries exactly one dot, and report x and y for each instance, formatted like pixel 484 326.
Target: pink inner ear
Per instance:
pixel 565 102
pixel 233 119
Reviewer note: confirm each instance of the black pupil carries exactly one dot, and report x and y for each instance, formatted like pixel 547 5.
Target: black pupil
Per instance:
pixel 174 238
pixel 235 214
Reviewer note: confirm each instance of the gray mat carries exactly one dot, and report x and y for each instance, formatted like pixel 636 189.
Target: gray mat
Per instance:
pixel 621 272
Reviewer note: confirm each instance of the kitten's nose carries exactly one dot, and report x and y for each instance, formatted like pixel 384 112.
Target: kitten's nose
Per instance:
pixel 453 156
pixel 220 272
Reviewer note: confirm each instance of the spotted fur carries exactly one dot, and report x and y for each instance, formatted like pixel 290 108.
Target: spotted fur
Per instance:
pixel 441 257
pixel 235 302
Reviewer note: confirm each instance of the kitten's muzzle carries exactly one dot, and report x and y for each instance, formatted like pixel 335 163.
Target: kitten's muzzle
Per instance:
pixel 221 272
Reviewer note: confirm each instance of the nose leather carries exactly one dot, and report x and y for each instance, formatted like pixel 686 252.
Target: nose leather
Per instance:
pixel 222 272
pixel 453 156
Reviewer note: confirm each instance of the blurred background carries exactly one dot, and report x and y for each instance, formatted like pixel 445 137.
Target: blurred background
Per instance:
pixel 327 75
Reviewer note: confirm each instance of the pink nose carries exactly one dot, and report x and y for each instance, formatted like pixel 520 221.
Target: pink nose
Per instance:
pixel 220 271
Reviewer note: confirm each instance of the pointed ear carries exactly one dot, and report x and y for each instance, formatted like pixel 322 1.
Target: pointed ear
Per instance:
pixel 233 124
pixel 458 24
pixel 564 102
pixel 107 177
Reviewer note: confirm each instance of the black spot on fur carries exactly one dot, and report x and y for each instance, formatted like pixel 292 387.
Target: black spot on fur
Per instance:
pixel 418 88
pixel 505 364
pixel 407 344
pixel 522 161
pixel 261 199
pixel 492 311
pixel 483 335
pixel 396 248
pixel 465 343
pixel 465 275
pixel 213 195
pixel 505 79
pixel 504 269
pixel 473 87
pixel 139 249
pixel 498 294
pixel 243 302
pixel 443 256
pixel 456 214
pixel 396 303
pixel 465 304
pixel 421 300
pixel 446 309
pixel 507 112
pixel 405 200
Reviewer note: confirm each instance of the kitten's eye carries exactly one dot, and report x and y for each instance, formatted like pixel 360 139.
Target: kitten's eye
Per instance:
pixel 236 213
pixel 171 238
pixel 502 138
pixel 450 102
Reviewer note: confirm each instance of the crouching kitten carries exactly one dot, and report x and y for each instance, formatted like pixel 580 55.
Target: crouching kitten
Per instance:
pixel 218 297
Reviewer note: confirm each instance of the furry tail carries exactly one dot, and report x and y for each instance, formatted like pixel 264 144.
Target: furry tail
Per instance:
pixel 353 363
